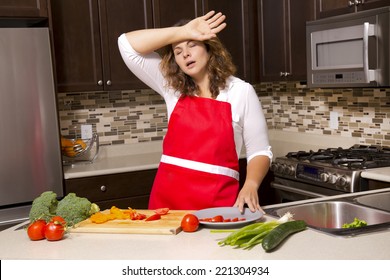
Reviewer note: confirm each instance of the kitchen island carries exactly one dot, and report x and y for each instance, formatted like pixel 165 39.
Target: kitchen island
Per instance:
pixel 200 245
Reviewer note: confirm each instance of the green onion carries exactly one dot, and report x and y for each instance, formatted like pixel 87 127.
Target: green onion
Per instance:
pixel 253 234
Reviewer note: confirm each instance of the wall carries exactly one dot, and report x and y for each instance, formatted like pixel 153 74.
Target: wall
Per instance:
pixel 140 115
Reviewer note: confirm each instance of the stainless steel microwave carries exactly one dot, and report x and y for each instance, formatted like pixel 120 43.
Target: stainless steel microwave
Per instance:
pixel 349 50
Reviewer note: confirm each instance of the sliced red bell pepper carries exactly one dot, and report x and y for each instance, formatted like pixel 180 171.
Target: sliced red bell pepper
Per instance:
pixel 153 217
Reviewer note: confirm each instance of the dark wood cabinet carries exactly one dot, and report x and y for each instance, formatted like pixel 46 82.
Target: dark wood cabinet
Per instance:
pixel 123 190
pixel 283 38
pixel 266 193
pixel 240 36
pixel 23 8
pixel 85 34
pixel 168 12
pixel 328 8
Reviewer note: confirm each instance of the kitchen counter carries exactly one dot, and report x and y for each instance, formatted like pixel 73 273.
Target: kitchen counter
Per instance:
pixel 201 245
pixel 379 174
pixel 118 159
pixel 146 155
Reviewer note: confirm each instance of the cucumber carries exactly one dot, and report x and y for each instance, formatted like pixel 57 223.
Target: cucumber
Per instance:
pixel 281 232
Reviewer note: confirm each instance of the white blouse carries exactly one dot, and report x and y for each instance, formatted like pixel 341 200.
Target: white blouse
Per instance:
pixel 250 127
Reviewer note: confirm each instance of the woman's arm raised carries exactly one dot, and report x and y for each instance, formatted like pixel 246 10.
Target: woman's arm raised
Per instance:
pixel 201 28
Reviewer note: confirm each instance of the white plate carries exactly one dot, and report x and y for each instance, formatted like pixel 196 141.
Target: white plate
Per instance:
pixel 227 213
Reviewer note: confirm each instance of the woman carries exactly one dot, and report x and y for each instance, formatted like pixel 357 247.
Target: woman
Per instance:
pixel 211 115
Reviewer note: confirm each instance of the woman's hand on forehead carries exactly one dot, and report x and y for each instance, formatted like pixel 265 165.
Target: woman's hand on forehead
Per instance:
pixel 206 27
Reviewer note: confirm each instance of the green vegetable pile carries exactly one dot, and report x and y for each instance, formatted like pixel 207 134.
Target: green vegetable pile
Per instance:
pixel 269 234
pixel 72 208
pixel 355 224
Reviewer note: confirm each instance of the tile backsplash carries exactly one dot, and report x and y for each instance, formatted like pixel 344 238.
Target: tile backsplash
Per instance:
pixel 124 117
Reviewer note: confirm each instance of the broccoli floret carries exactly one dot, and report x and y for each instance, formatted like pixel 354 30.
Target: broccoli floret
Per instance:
pixel 75 209
pixel 44 206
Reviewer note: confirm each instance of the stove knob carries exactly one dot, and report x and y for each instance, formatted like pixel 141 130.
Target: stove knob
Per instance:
pixel 288 170
pixel 324 177
pixel 280 168
pixel 341 181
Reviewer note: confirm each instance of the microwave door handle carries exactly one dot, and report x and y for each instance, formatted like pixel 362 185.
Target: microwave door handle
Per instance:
pixel 368 30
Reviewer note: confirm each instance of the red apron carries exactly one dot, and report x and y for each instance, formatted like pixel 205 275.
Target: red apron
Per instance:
pixel 199 165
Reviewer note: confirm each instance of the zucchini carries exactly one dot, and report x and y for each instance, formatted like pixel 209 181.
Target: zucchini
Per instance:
pixel 281 232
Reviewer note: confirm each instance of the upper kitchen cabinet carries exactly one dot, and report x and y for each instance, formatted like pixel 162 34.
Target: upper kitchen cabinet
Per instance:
pixel 240 35
pixel 328 8
pixel 168 12
pixel 23 8
pixel 85 34
pixel 283 38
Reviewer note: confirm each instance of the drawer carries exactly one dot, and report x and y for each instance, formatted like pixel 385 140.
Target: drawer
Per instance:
pixel 136 202
pixel 112 186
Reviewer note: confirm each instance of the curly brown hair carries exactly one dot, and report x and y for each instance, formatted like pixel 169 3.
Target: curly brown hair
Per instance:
pixel 220 66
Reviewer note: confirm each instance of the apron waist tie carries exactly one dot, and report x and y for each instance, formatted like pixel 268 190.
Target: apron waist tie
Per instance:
pixel 200 166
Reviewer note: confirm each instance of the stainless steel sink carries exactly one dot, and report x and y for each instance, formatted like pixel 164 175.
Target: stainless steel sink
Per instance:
pixel 379 200
pixel 329 216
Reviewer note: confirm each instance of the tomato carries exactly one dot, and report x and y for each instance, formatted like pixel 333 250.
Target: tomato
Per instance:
pixel 217 219
pixel 153 218
pixel 190 223
pixel 162 211
pixel 58 219
pixel 54 231
pixel 36 230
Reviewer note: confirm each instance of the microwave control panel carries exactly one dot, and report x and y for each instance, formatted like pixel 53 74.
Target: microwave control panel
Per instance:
pixel 338 78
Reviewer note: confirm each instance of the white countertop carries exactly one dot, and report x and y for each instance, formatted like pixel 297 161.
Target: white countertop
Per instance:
pixel 201 245
pixel 146 155
pixel 118 159
pixel 379 174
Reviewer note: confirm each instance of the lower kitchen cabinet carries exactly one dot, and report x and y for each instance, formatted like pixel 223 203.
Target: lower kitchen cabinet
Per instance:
pixel 267 195
pixel 130 189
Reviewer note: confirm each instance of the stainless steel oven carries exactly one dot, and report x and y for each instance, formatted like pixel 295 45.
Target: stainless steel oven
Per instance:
pixel 326 172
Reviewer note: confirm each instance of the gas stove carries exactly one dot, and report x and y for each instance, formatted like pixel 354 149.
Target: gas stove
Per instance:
pixel 333 168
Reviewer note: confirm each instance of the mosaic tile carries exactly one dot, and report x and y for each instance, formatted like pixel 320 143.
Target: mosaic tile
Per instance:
pixel 131 116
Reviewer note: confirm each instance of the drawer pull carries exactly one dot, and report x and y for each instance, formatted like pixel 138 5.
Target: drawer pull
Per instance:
pixel 103 188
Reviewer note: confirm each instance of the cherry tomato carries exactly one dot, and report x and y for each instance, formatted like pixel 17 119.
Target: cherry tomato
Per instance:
pixel 162 211
pixel 190 223
pixel 153 218
pixel 36 230
pixel 54 231
pixel 217 219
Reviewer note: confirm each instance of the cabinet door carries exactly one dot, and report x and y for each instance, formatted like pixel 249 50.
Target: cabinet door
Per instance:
pixel 115 189
pixel 23 8
pixel 372 4
pixel 85 35
pixel 328 8
pixel 77 48
pixel 168 12
pixel 273 42
pixel 300 12
pixel 283 38
pixel 118 17
pixel 240 35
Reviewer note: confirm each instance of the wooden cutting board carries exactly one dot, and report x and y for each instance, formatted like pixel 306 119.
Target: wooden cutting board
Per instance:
pixel 168 224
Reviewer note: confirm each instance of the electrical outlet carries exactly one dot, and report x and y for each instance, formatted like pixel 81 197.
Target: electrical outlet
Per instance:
pixel 334 120
pixel 86 131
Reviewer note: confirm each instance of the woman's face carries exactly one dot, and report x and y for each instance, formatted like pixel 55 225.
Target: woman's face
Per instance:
pixel 192 58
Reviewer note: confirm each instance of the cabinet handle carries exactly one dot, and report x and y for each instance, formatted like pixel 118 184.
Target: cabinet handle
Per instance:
pixel 100 83
pixel 284 74
pixel 354 3
pixel 109 82
pixel 103 188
